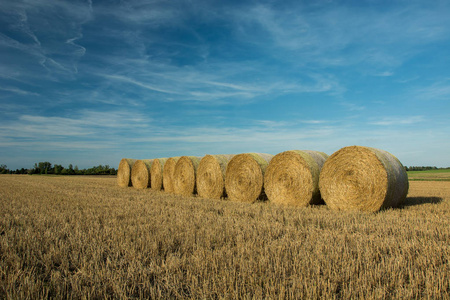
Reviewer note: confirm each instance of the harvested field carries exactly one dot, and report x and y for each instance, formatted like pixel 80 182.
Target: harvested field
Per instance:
pixel 86 237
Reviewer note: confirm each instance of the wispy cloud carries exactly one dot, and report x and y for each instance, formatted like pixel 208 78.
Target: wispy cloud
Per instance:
pixel 18 91
pixel 398 120
pixel 51 43
pixel 154 78
pixel 351 106
pixel 439 90
pixel 87 123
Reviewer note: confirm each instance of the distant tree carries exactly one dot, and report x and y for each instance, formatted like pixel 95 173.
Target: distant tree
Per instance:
pixel 58 169
pixel 70 170
pixel 4 169
pixel 45 167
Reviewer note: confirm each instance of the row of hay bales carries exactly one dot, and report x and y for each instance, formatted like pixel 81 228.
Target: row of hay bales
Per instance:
pixel 352 178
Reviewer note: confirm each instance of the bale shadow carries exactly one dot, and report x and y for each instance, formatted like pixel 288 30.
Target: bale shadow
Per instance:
pixel 411 201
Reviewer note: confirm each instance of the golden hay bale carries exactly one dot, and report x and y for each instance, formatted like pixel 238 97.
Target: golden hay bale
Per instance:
pixel 156 173
pixel 292 177
pixel 169 168
pixel 184 175
pixel 244 178
pixel 211 176
pixel 140 173
pixel 124 172
pixel 364 179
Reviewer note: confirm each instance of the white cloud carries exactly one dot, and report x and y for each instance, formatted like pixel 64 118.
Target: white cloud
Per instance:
pixel 439 90
pixel 18 91
pixel 351 106
pixel 398 120
pixel 86 124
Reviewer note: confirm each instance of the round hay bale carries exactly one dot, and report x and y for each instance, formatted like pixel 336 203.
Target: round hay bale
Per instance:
pixel 156 173
pixel 363 179
pixel 169 168
pixel 244 178
pixel 184 175
pixel 140 173
pixel 211 176
pixel 292 178
pixel 124 172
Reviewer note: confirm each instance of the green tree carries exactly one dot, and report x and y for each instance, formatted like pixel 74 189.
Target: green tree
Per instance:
pixel 71 170
pixel 45 167
pixel 58 169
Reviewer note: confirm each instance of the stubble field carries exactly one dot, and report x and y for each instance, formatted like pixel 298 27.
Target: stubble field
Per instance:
pixel 85 237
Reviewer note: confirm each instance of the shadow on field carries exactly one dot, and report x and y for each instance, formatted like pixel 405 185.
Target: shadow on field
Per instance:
pixel 410 201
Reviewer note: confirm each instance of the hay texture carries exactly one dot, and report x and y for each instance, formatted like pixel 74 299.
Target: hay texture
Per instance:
pixel 292 178
pixel 363 179
pixel 140 173
pixel 244 178
pixel 168 171
pixel 156 173
pixel 184 176
pixel 124 172
pixel 211 176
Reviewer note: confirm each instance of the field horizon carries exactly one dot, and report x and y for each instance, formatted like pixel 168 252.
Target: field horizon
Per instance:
pixel 86 237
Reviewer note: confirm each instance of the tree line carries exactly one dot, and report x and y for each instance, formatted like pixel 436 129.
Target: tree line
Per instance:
pixel 47 168
pixel 423 168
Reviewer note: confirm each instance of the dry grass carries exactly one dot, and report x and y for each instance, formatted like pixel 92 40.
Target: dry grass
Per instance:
pixel 86 237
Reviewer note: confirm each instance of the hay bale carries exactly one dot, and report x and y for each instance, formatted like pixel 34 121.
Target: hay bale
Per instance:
pixel 211 176
pixel 156 173
pixel 168 170
pixel 140 173
pixel 244 178
pixel 184 175
pixel 363 179
pixel 292 178
pixel 124 172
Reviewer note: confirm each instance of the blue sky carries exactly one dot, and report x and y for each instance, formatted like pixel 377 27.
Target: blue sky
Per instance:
pixel 90 82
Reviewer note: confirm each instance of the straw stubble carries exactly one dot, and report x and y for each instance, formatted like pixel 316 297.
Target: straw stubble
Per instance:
pixel 244 178
pixel 211 176
pixel 363 179
pixel 292 178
